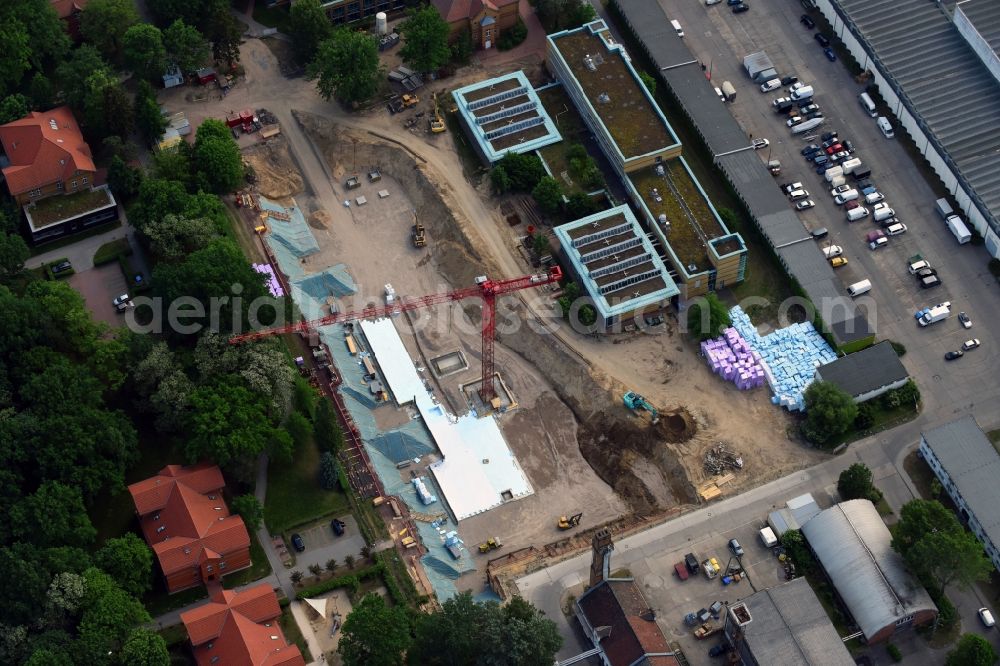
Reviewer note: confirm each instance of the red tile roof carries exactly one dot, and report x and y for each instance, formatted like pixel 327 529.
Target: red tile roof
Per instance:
pixel 240 629
pixel 66 8
pixel 454 10
pixel 151 495
pixel 184 517
pixel 632 629
pixel 43 148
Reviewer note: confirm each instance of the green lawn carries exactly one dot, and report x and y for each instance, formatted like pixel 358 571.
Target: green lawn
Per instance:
pixel 884 419
pixel 294 496
pixel 292 633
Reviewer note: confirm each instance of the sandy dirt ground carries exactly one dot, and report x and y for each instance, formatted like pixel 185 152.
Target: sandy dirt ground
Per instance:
pixel 569 385
pixel 276 175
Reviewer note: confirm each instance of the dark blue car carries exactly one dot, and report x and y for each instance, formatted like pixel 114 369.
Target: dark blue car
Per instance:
pixel 830 55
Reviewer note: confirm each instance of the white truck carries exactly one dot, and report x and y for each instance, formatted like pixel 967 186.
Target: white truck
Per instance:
pixel 850 165
pixel 833 172
pixel 958 229
pixel 768 538
pixel 937 313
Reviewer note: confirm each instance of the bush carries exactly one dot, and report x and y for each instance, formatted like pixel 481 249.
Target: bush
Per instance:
pixel 513 37
pixel 898 348
pixel 341 581
pixel 111 250
pixel 131 284
pixel 61 274
pixel 865 418
pixel 894 653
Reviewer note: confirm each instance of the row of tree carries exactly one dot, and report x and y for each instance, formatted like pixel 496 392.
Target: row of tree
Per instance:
pixel 463 632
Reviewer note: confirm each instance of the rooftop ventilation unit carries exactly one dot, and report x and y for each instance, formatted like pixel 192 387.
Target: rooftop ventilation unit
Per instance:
pixel 603 98
pixel 589 63
pixel 53 124
pixel 741 614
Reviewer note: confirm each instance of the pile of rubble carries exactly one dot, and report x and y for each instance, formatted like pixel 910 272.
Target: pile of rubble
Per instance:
pixel 720 458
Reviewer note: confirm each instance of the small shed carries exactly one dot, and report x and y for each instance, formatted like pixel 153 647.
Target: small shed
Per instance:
pixel 173 77
pixel 205 75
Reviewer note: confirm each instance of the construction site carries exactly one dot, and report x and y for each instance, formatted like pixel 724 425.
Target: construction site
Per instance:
pixel 499 447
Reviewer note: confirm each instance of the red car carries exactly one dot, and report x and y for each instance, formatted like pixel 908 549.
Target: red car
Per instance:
pixel 835 148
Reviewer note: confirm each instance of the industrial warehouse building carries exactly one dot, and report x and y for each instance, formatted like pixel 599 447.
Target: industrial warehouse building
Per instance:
pixel 615 263
pixel 968 466
pixel 730 147
pixel 645 154
pixel 923 63
pixel 866 374
pixel 853 545
pixel 785 625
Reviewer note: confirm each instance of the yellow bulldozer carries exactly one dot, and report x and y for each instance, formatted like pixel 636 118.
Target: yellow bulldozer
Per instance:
pixel 566 523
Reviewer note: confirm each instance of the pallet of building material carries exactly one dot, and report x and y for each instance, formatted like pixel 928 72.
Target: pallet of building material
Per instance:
pixel 709 491
pixel 724 479
pixel 278 215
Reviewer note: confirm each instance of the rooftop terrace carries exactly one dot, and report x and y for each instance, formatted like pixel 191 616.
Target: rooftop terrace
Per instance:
pixel 50 210
pixel 505 114
pixel 615 92
pixel 692 220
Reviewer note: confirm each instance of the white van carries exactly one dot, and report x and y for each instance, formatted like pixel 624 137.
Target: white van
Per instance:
pixel 831 251
pixel 867 104
pixel 805 92
pixel 856 214
pixel 895 229
pixel 859 288
pixel 677 28
pixel 882 212
pixel 886 127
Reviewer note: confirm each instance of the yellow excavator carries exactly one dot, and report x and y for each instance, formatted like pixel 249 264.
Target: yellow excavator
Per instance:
pixel 570 522
pixel 437 122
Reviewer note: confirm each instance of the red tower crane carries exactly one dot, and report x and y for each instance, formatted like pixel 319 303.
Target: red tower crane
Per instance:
pixel 486 289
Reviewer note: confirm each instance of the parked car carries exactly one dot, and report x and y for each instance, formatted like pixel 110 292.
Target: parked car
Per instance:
pixel 770 85
pixel 838 156
pixel 62 266
pixel 850 205
pixel 740 8
pixel 120 299
pixel 337 525
pixel 895 229
pixel 803 205
pixel 930 282
pixel 837 262
pixel 839 190
pixel 794 120
pixel 874 197
pixel 807 21
pixel 878 243
pixel 831 251
pixel 795 195
pixel 781 100
pixel 822 232
pixel 691 562
pixel 848 146
pixel 298 544
pixel 970 344
pixel 810 149
pixel 834 148
pixel 712 2
pixel 733 2
pixel 789 80
pixel 808 108
pixel 830 54
pixel 788 187
pixel 760 143
pixel 832 134
pixel 951 356
pixel 719 650
pixel 986 616
pixel 964 320
pixel 735 546
pixel 829 142
pixel 821 38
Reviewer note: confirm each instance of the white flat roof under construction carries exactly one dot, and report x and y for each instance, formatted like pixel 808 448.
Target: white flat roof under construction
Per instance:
pixel 394 361
pixel 479 471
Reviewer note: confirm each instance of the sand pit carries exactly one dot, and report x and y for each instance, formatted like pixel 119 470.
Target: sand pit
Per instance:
pixel 277 176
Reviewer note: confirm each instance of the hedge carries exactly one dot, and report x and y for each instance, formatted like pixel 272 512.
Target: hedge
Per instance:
pixel 111 250
pixel 49 275
pixel 130 274
pixel 353 581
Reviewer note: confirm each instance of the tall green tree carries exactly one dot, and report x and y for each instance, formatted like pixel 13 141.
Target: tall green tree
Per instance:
pixel 72 74
pixel 425 40
pixel 309 27
pixel 148 118
pixel 374 634
pixel 919 517
pixel 185 45
pixel 129 561
pixel 228 424
pixel 124 180
pixel 346 66
pixel 225 33
pixel 41 92
pixel 250 510
pixel 143 51
pixel 192 12
pixel 13 107
pixel 326 428
pixel 707 317
pixel 467 632
pixel 972 650
pixel 105 23
pixel 829 412
pixel 108 619
pixel 33 38
pixel 53 515
pixel 13 253
pixel 145 648
pixel 856 482
pixel 950 557
pixel 548 195
pixel 174 236
pixel 217 158
pixel 16 52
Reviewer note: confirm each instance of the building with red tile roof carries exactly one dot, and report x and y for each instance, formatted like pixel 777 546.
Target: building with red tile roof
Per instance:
pixel 616 617
pixel 485 19
pixel 240 629
pixel 47 155
pixel 69 11
pixel 187 524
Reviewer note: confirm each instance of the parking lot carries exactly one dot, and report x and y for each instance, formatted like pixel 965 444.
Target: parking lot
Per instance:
pixel 322 545
pixel 721 39
pixel 99 286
